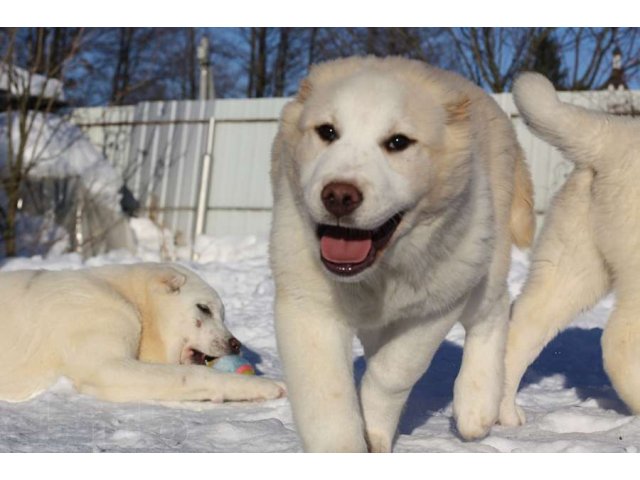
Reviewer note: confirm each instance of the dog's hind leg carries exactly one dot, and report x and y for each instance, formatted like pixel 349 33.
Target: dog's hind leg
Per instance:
pixel 621 345
pixel 397 356
pixel 567 275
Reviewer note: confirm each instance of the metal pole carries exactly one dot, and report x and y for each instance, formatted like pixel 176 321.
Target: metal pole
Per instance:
pixel 207 91
pixel 203 193
pixel 79 224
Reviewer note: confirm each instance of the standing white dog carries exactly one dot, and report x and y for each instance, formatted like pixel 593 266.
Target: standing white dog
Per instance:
pixel 399 189
pixel 121 333
pixel 589 244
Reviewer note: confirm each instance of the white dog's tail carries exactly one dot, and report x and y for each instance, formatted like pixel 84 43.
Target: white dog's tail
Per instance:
pixel 582 135
pixel 522 222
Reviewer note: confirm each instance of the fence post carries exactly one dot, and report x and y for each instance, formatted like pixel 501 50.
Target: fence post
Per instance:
pixel 78 234
pixel 203 193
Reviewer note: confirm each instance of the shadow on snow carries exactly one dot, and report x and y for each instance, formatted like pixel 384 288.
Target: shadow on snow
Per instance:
pixel 575 353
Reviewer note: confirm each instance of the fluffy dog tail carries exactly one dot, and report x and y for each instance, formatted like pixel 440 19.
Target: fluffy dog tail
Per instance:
pixel 579 133
pixel 523 219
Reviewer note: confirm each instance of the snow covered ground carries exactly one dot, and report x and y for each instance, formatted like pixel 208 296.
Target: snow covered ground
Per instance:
pixel 568 399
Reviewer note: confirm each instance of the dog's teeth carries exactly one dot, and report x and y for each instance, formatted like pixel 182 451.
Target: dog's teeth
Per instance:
pixel 209 361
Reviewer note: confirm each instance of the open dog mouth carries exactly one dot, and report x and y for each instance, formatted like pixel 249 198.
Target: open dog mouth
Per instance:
pixel 196 357
pixel 349 251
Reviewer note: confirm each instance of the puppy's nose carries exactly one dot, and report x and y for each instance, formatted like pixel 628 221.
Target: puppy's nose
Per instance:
pixel 235 345
pixel 341 198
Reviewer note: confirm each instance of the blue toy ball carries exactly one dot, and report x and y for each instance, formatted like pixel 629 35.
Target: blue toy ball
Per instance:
pixel 233 364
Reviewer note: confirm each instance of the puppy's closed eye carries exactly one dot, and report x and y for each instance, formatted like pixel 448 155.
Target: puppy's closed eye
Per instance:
pixel 204 309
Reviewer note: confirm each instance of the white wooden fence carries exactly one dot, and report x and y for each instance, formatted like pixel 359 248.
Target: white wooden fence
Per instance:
pixel 203 166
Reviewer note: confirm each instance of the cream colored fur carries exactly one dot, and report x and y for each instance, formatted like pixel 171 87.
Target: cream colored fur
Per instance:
pixel 120 333
pixel 467 196
pixel 589 243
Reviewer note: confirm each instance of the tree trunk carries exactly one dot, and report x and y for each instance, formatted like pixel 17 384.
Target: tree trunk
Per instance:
pixel 252 62
pixel 191 63
pixel 281 62
pixel 313 35
pixel 121 77
pixel 38 43
pixel 11 214
pixel 261 63
pixel 373 36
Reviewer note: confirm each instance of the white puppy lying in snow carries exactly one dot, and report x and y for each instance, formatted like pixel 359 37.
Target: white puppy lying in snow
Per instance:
pixel 121 333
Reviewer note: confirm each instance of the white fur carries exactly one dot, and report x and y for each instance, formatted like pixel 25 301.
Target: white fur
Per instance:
pixel 446 262
pixel 589 243
pixel 121 333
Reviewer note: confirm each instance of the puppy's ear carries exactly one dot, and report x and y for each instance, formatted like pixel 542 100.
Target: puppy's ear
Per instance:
pixel 172 280
pixel 304 91
pixel 458 110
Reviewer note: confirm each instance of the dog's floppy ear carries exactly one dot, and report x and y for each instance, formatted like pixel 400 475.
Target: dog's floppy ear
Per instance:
pixel 304 91
pixel 172 280
pixel 458 110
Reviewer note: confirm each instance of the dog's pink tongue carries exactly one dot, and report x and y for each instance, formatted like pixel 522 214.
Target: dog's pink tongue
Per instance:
pixel 339 250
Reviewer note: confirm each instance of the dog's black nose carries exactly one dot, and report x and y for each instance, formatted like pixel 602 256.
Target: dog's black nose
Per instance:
pixel 235 345
pixel 341 198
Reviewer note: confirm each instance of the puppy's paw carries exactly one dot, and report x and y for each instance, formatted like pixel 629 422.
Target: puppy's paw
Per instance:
pixel 257 388
pixel 282 389
pixel 511 415
pixel 473 427
pixel 473 422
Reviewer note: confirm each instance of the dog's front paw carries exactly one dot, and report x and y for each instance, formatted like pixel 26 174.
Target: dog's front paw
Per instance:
pixel 280 390
pixel 474 426
pixel 511 415
pixel 473 422
pixel 256 388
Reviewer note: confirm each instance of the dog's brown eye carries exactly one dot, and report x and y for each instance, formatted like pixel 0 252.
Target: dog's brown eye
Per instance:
pixel 204 309
pixel 327 132
pixel 397 143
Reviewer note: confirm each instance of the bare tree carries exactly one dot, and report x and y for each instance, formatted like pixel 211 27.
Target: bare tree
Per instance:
pixel 275 59
pixel 588 54
pixel 426 44
pixel 281 62
pixel 48 188
pixel 27 91
pixel 120 84
pixel 492 57
pixel 120 66
pixel 189 65
pixel 129 65
pixel 576 58
pixel 258 62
